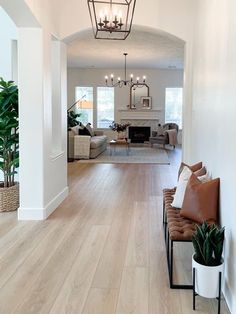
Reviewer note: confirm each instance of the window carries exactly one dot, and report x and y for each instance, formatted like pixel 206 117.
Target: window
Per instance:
pixel 173 105
pixel 86 105
pixel 105 106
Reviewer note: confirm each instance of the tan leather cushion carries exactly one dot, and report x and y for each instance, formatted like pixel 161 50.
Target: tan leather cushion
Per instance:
pixel 180 228
pixel 193 168
pixel 201 200
pixel 200 172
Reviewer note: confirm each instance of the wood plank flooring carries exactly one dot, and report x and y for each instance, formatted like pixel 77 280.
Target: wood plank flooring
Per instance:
pixel 101 252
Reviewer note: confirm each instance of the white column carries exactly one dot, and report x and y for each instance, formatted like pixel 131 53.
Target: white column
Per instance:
pixel 187 105
pixel 43 170
pixel 30 74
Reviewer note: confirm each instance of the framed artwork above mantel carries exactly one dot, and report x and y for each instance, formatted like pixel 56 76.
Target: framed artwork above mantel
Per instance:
pixel 146 102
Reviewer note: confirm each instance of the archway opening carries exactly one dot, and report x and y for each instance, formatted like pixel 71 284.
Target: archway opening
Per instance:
pixel 151 52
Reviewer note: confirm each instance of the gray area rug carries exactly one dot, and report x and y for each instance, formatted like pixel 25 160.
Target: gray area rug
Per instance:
pixel 137 155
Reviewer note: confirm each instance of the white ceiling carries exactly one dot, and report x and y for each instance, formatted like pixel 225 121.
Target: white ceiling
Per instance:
pixel 146 49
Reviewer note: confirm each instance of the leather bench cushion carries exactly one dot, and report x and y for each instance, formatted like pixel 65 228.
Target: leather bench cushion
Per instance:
pixel 97 141
pixel 168 194
pixel 180 228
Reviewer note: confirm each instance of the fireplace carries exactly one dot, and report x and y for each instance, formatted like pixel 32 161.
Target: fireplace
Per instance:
pixel 139 134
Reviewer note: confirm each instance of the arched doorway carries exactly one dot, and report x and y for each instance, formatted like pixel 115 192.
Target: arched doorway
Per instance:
pixel 149 49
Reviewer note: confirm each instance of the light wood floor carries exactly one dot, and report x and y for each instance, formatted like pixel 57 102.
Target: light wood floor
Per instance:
pixel 101 252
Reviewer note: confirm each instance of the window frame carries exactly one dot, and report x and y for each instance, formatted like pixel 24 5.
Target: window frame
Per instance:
pixel 180 88
pixel 98 86
pixel 93 88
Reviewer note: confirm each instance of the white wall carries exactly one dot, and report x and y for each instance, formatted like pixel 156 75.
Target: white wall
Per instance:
pixel 175 17
pixel 157 81
pixel 7 35
pixel 214 115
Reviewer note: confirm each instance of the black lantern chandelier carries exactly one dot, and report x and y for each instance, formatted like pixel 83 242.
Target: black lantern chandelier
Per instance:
pixel 111 19
pixel 125 82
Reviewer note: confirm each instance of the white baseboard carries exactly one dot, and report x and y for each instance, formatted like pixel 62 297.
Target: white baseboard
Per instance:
pixel 43 213
pixel 229 299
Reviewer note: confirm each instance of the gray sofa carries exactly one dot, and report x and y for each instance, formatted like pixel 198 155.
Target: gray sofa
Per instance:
pixel 92 146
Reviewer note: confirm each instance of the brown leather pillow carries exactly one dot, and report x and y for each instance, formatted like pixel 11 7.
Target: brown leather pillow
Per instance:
pixel 200 172
pixel 193 168
pixel 201 200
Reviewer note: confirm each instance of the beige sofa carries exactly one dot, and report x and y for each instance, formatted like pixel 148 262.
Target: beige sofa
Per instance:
pixel 86 147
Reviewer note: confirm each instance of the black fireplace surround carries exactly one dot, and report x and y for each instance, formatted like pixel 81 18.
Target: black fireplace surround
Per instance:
pixel 139 134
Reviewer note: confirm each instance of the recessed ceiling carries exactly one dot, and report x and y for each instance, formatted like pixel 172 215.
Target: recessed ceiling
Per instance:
pixel 146 49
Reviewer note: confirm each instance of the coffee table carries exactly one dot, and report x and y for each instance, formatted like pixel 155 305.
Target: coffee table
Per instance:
pixel 122 142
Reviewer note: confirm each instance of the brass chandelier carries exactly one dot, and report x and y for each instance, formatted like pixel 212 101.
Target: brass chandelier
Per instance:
pixel 111 19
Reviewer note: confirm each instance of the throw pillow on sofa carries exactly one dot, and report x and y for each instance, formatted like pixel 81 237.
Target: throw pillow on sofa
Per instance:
pixel 75 129
pixel 201 200
pixel 84 131
pixel 88 127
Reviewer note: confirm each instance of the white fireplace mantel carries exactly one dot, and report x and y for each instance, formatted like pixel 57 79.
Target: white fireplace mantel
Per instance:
pixel 139 114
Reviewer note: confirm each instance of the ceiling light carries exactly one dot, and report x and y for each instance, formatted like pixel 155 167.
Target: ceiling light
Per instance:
pixel 111 19
pixel 124 82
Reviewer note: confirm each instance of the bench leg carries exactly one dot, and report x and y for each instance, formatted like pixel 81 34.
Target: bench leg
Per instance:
pixel 164 219
pixel 163 212
pixel 165 230
pixel 171 264
pixel 168 249
pixel 170 260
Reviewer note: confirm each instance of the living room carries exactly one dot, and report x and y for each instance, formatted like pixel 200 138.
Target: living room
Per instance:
pixel 155 55
pixel 89 238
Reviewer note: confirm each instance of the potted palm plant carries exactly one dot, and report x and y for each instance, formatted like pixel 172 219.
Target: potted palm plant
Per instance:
pixel 9 145
pixel 207 260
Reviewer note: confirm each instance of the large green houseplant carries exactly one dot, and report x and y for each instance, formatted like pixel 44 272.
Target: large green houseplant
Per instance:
pixel 208 243
pixel 72 119
pixel 9 145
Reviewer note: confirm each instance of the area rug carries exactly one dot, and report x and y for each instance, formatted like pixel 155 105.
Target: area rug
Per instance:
pixel 137 155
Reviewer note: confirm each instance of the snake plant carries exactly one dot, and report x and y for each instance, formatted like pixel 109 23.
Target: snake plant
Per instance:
pixel 208 241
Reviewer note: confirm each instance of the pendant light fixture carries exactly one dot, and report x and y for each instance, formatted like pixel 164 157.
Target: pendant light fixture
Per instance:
pixel 111 19
pixel 124 82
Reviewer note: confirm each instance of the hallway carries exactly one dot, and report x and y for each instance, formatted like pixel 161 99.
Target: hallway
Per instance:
pixel 101 252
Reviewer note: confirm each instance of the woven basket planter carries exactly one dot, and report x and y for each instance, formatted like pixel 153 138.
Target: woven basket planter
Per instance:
pixel 9 198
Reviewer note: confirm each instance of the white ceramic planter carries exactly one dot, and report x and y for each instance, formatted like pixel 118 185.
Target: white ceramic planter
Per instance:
pixel 207 279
